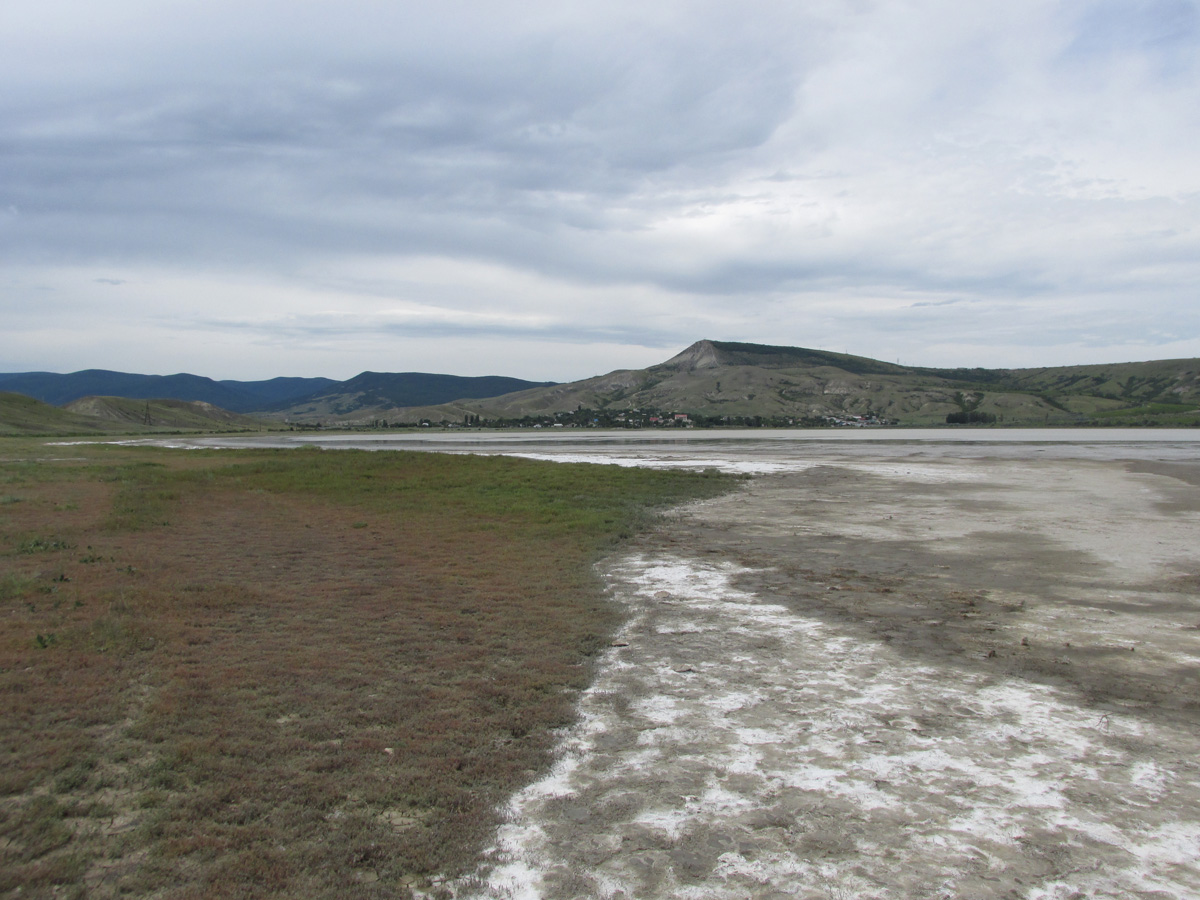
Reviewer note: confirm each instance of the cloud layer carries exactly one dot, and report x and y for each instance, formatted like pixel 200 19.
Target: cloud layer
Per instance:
pixel 553 190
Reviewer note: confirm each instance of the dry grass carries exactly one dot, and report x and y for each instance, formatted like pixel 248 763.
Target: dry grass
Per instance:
pixel 283 674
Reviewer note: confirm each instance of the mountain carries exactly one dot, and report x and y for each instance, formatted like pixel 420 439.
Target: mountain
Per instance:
pixel 277 390
pixel 718 382
pixel 712 382
pixel 374 395
pixel 238 396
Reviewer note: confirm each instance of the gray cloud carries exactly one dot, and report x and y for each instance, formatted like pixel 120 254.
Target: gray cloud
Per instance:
pixel 769 172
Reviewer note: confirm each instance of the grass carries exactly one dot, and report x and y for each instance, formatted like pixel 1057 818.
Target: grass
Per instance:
pixel 24 416
pixel 288 673
pixel 1156 413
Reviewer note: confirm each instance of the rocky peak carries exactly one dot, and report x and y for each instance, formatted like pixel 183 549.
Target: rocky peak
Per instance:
pixel 701 355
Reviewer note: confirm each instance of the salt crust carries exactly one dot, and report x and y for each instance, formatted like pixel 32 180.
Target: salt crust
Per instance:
pixel 823 765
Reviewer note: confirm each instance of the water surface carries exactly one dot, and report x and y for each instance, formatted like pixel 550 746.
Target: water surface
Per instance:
pixel 748 450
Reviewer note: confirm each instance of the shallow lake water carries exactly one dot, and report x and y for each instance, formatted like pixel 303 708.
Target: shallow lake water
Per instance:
pixel 757 451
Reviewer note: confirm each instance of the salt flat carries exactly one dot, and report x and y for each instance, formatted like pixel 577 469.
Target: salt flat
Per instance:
pixel 905 676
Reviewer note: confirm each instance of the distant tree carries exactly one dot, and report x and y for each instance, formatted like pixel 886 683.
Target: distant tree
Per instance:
pixel 973 417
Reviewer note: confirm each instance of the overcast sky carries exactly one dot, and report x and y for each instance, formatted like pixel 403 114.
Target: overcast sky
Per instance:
pixel 554 190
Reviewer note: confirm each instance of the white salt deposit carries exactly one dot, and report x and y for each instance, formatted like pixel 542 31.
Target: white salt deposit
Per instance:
pixel 755 758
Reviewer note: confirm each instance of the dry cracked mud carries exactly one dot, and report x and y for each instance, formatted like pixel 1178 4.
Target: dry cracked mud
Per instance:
pixel 889 678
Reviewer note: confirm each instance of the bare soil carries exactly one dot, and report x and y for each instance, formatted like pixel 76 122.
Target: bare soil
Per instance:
pixel 890 678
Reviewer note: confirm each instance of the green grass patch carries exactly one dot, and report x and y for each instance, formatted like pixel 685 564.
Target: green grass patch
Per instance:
pixel 43 545
pixel 145 496
pixel 15 586
pixel 1149 409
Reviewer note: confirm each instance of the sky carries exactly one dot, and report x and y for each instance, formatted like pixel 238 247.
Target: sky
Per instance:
pixel 553 190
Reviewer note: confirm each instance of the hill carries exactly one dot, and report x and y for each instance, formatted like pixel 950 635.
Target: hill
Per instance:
pixel 711 382
pixel 276 390
pixel 374 395
pixel 730 383
pixel 238 396
pixel 185 415
pixel 361 398
pixel 21 415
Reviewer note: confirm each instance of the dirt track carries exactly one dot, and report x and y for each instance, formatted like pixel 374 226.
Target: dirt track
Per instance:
pixel 891 679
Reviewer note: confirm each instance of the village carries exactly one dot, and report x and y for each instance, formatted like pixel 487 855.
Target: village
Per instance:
pixel 649 418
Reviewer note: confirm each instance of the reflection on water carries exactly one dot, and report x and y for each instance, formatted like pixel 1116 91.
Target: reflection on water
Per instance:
pixel 750 450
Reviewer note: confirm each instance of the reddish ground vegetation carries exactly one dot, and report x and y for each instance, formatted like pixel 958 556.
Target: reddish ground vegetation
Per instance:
pixel 271 674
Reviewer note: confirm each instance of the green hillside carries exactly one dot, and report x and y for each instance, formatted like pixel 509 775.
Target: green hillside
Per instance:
pixel 372 395
pixel 712 382
pixel 722 382
pixel 21 415
pixel 185 415
pixel 239 396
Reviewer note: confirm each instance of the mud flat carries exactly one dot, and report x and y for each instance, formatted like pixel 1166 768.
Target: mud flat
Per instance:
pixel 880 676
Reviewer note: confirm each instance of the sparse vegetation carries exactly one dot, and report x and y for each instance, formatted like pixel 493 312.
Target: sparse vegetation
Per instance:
pixel 21 415
pixel 719 384
pixel 714 383
pixel 288 673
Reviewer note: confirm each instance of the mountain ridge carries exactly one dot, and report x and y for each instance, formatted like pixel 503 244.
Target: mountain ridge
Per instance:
pixel 720 382
pixel 373 394
pixel 717 382
pixel 367 388
pixel 235 396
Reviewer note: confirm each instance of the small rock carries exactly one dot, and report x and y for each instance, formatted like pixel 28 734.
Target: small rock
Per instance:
pixel 400 821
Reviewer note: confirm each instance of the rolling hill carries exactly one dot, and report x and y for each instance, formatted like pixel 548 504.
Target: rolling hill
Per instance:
pixel 185 415
pixel 362 396
pixel 375 395
pixel 237 396
pixel 722 382
pixel 22 415
pixel 711 382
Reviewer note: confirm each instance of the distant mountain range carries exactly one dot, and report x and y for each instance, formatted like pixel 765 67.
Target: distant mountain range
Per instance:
pixel 235 396
pixel 711 382
pixel 100 399
pixel 329 397
pixel 373 395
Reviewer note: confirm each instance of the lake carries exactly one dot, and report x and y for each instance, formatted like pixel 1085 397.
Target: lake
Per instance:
pixel 746 450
